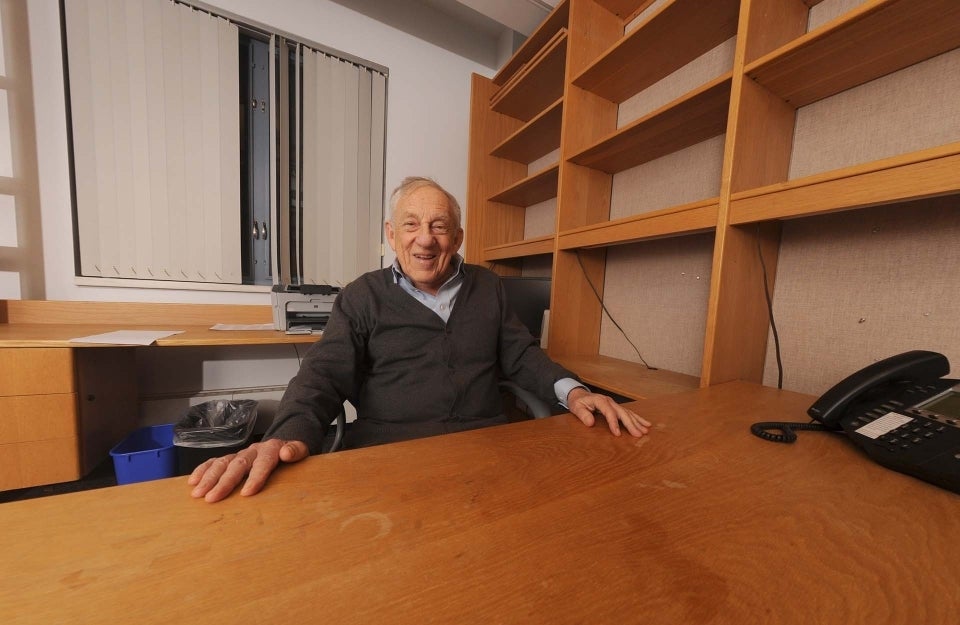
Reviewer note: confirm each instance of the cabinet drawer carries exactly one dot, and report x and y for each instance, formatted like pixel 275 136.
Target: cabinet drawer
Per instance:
pixel 36 370
pixel 38 418
pixel 39 441
pixel 33 463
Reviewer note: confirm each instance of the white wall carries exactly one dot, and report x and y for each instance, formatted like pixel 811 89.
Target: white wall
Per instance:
pixel 428 113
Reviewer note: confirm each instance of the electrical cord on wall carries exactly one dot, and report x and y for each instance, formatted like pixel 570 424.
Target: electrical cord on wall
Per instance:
pixel 609 316
pixel 773 323
pixel 787 431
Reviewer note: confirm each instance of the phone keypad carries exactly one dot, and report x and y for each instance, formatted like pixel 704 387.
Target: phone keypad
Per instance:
pixel 900 436
pixel 906 436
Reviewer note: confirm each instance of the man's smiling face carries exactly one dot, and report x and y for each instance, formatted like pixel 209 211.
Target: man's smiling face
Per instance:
pixel 425 235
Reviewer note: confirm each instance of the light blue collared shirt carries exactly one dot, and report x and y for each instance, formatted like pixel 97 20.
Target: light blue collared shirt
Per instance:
pixel 442 304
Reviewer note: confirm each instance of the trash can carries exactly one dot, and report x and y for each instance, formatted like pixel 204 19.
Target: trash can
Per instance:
pixel 212 429
pixel 146 454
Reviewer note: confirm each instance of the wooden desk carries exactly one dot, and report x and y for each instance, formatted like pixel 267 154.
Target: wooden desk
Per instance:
pixel 534 522
pixel 53 324
pixel 63 405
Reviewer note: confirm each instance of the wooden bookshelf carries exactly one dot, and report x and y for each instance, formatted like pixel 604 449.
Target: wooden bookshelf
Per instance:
pixel 534 44
pixel 531 190
pixel 528 247
pixel 537 85
pixel 912 176
pixel 618 49
pixel 670 38
pixel 873 40
pixel 538 137
pixel 626 10
pixel 696 117
pixel 687 219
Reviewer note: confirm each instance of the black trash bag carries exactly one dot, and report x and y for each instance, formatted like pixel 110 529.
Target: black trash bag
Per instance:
pixel 218 423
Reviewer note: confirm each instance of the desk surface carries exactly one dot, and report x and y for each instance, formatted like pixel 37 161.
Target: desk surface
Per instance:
pixel 26 323
pixel 534 522
pixel 59 335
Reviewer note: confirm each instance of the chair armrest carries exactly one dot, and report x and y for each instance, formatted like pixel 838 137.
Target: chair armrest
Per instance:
pixel 537 406
pixel 341 425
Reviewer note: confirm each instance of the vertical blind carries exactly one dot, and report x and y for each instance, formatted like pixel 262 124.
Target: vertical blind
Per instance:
pixel 153 94
pixel 154 91
pixel 340 172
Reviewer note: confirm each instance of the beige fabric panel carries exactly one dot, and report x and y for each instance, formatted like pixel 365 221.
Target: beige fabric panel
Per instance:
pixel 540 219
pixel 828 10
pixel 700 71
pixel 644 15
pixel 538 165
pixel 657 291
pixel 855 287
pixel 909 110
pixel 686 175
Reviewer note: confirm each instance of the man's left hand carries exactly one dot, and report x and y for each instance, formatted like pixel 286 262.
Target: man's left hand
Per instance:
pixel 585 405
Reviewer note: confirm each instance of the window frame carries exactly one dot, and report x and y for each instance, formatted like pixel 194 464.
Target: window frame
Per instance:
pixel 279 253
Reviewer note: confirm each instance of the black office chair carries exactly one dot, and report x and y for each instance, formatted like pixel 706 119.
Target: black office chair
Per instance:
pixel 336 438
pixel 537 407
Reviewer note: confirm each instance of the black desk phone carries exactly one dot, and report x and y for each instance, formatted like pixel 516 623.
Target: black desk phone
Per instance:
pixel 900 411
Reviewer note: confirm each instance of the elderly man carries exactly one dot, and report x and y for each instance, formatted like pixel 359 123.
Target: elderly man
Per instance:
pixel 418 348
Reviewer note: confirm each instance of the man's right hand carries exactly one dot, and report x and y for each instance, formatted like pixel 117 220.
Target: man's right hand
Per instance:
pixel 216 478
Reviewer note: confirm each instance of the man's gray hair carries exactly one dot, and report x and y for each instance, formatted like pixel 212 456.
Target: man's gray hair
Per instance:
pixel 411 184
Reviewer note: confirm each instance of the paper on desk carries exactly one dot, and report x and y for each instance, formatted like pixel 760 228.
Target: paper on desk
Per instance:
pixel 127 337
pixel 241 326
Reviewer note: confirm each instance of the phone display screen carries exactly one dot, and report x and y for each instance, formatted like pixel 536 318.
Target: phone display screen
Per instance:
pixel 947 404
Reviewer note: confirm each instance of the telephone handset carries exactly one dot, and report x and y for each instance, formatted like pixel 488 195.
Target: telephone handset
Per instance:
pixel 914 366
pixel 899 410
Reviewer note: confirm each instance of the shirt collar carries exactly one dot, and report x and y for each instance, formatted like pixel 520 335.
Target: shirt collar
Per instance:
pixel 456 262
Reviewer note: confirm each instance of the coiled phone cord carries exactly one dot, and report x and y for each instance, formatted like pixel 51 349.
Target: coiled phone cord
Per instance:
pixel 787 434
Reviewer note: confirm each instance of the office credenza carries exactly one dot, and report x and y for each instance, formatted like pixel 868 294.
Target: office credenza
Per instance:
pixel 542 521
pixel 63 405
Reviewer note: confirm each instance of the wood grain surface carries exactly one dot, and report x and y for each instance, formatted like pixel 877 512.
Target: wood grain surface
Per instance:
pixel 534 522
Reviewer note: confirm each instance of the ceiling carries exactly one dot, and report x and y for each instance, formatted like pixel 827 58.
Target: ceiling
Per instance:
pixel 485 31
pixel 521 16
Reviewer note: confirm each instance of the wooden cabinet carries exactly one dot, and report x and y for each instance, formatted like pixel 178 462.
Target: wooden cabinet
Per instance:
pixel 61 410
pixel 38 417
pixel 686 151
pixel 515 131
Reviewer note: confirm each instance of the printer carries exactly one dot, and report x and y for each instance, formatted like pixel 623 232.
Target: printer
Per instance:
pixel 302 307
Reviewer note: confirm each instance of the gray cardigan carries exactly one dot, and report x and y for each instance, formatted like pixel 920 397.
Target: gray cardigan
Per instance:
pixel 407 372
